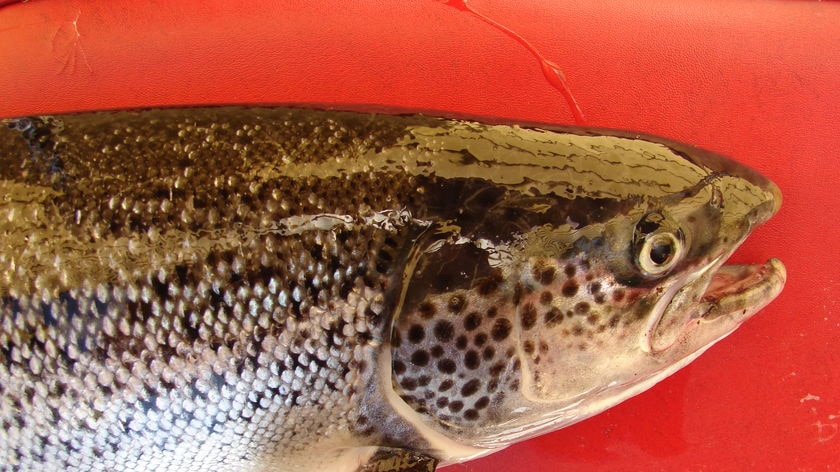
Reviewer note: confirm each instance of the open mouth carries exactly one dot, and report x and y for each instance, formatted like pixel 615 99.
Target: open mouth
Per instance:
pixel 733 293
pixel 739 290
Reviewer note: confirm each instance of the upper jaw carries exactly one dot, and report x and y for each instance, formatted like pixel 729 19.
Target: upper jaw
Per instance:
pixel 715 302
pixel 739 290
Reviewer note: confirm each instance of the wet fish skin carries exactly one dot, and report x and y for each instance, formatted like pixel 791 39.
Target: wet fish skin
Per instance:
pixel 289 289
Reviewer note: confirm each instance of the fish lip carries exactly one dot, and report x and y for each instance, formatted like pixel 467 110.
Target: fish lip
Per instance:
pixel 740 290
pixel 732 294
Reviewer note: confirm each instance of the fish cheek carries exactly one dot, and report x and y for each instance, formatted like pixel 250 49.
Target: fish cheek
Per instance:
pixel 568 337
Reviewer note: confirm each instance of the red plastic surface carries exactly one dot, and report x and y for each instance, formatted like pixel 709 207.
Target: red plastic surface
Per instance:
pixel 759 81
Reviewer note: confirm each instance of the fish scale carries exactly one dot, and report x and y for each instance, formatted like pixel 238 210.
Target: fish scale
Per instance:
pixel 300 290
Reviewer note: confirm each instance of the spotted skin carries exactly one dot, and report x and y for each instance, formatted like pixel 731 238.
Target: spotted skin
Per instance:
pixel 300 290
pixel 459 366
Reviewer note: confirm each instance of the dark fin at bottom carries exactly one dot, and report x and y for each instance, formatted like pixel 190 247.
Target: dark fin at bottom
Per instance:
pixel 399 460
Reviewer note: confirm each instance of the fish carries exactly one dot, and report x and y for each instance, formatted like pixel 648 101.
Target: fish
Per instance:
pixel 294 289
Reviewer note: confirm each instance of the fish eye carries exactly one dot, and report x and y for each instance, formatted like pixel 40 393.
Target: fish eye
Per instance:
pixel 658 244
pixel 659 253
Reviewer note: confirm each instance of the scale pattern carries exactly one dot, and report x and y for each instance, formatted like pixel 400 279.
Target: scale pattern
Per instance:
pixel 157 315
pixel 303 290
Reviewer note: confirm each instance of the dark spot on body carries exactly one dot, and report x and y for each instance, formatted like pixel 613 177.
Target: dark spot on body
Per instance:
pixel 614 321
pixel 442 402
pixel 416 334
pixel 545 275
pixel 472 321
pixel 570 288
pixel 408 384
pixel 593 319
pixel 582 308
pixel 436 351
pixel 528 347
pixel 488 353
pixel 399 367
pixel 424 380
pixel 456 406
pixel 446 366
pixel 595 287
pixel 618 295
pixel 471 360
pixel 444 331
pixel 501 329
pixel 497 369
pixel 528 316
pixel 427 310
pixel 456 303
pixel 492 385
pixel 570 270
pixel 480 339
pixel 420 358
pixel 471 414
pixel 481 403
pixel 470 387
pixel 577 330
pixel 546 297
pixel 553 317
pixel 489 285
pixel 599 298
pixel 445 385
pixel 461 342
pixel 492 312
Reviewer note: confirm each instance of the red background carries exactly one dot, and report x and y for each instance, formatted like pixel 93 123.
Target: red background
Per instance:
pixel 756 80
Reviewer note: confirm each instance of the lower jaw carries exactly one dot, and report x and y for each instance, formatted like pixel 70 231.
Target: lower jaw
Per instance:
pixel 741 290
pixel 733 293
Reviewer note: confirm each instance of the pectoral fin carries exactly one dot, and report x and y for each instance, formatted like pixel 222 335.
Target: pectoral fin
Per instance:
pixel 399 460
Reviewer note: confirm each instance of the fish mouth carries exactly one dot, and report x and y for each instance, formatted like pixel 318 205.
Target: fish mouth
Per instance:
pixel 696 316
pixel 739 290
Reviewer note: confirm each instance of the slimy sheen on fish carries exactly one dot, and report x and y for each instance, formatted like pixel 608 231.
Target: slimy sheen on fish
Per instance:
pixel 276 289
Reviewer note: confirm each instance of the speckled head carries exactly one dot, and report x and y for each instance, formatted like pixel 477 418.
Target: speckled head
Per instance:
pixel 610 279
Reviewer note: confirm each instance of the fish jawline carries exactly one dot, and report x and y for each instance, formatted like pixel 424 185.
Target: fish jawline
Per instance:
pixel 732 294
pixel 739 290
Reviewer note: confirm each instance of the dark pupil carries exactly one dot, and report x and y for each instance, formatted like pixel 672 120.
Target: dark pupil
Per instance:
pixel 661 252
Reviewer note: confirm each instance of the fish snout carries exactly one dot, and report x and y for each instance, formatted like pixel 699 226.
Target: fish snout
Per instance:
pixel 771 205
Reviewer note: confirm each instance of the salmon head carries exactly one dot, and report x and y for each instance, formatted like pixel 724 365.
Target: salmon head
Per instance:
pixel 569 281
